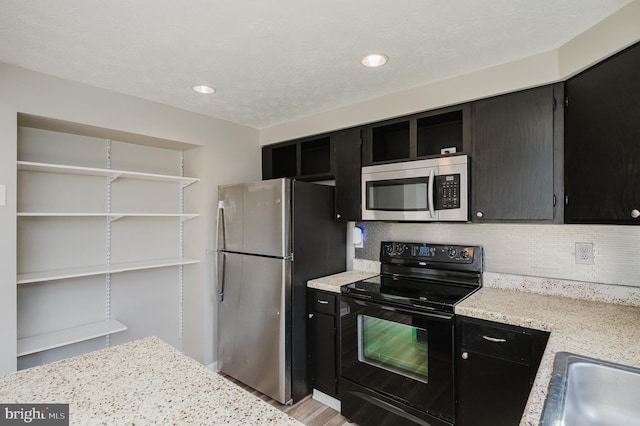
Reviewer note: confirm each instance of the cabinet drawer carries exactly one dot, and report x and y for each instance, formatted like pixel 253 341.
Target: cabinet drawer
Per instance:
pixel 507 342
pixel 324 302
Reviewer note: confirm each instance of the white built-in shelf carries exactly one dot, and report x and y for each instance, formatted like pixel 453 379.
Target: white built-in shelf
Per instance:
pixel 113 216
pixel 114 268
pixel 90 171
pixel 43 342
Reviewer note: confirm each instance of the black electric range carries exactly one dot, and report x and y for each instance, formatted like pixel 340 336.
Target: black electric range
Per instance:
pixel 423 276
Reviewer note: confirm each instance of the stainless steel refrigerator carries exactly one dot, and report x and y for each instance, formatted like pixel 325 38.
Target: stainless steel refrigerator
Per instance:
pixel 273 236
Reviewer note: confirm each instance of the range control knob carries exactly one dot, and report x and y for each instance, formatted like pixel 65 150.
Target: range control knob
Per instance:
pixel 453 252
pixel 464 254
pixel 400 248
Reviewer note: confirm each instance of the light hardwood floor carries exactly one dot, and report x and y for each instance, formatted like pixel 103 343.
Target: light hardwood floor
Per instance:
pixel 308 411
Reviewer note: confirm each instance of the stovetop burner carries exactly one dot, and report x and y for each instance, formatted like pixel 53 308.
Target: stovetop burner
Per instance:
pixel 425 276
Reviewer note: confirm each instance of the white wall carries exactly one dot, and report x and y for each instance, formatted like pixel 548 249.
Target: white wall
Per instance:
pixel 230 153
pixel 618 31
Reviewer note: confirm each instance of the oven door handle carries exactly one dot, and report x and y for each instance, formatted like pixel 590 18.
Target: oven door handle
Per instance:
pixel 400 309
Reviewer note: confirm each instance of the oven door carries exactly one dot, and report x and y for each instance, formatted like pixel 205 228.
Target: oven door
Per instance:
pixel 402 353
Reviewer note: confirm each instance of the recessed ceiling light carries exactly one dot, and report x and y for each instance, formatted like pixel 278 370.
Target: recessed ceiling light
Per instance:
pixel 201 88
pixel 375 60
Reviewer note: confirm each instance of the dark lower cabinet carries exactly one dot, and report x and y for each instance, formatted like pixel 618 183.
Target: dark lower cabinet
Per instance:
pixel 516 165
pixel 602 146
pixel 495 368
pixel 323 342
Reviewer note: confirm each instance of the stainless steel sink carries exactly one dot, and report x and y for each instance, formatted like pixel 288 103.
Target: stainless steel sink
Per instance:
pixel 588 392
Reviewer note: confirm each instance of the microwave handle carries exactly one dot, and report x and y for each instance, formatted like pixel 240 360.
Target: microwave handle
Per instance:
pixel 430 194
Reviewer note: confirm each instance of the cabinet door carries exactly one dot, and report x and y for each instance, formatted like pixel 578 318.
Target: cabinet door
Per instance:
pixel 496 365
pixel 322 352
pixel 602 147
pixel 491 391
pixel 346 145
pixel 513 156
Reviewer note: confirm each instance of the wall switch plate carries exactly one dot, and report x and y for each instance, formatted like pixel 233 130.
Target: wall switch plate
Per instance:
pixel 584 253
pixel 3 195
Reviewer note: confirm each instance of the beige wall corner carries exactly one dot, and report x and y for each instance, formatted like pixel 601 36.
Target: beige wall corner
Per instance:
pixel 618 31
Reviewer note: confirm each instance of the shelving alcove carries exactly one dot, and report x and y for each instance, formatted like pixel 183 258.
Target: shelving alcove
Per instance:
pixel 83 279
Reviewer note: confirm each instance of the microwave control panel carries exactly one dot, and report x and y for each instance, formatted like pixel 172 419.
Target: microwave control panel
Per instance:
pixel 448 190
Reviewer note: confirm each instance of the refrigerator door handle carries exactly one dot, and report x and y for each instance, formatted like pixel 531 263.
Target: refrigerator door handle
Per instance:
pixel 222 237
pixel 222 263
pixel 221 260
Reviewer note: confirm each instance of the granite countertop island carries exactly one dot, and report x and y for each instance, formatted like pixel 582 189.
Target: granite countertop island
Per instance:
pixel 142 382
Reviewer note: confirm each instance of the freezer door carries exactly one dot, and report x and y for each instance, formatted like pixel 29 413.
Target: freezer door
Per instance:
pixel 254 342
pixel 255 218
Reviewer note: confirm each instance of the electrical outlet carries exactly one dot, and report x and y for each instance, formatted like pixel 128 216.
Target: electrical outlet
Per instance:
pixel 584 253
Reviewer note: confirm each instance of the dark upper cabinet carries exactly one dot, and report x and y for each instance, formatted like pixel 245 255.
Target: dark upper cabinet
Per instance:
pixel 602 145
pixel 308 158
pixel 495 368
pixel 516 165
pixel 335 155
pixel 347 146
pixel 429 134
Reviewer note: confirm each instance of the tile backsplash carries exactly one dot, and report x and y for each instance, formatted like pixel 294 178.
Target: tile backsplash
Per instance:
pixel 525 249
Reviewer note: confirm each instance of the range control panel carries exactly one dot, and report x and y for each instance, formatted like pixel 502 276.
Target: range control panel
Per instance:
pixel 396 252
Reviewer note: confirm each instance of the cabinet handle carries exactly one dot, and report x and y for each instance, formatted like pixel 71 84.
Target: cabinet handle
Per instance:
pixel 465 355
pixel 479 214
pixel 494 339
pixel 635 213
pixel 323 302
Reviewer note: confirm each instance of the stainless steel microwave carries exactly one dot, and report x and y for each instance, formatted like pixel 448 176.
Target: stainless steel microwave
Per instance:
pixel 424 190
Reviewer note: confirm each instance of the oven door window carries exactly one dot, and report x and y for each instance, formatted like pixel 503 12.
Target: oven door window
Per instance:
pixel 396 347
pixel 398 194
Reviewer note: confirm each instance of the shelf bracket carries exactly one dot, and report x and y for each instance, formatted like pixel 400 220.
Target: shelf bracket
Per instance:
pixel 186 218
pixel 183 185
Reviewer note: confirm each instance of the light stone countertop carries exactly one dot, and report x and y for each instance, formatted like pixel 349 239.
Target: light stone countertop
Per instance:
pixel 334 282
pixel 592 328
pixel 142 382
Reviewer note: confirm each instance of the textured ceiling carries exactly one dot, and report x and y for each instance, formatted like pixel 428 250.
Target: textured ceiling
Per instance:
pixel 273 61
